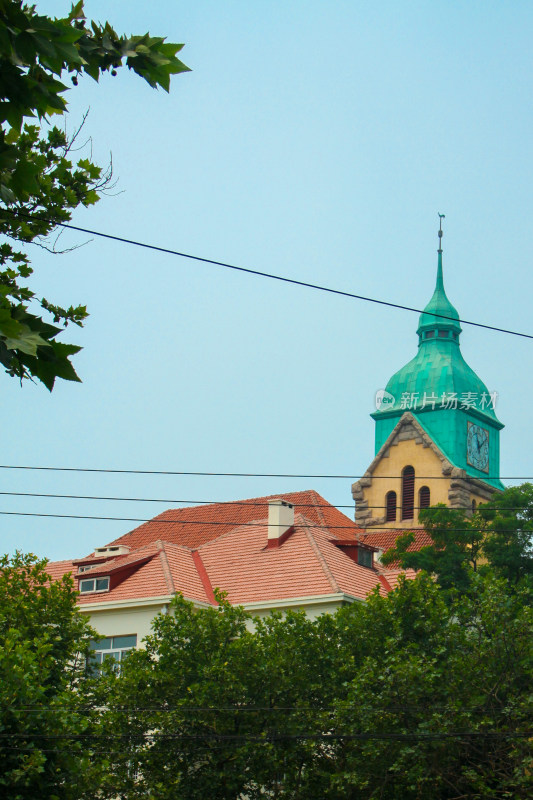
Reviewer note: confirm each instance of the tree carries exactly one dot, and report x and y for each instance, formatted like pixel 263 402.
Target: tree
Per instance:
pixel 443 708
pixel 43 643
pixel 406 696
pixel 40 185
pixel 508 541
pixel 454 553
pixel 498 537
pixel 211 709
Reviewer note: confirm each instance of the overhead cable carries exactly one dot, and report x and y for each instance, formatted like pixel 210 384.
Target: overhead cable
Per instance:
pixel 261 274
pixel 109 471
pixel 244 503
pixel 235 523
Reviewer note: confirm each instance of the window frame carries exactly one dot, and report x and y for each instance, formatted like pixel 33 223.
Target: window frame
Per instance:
pixel 391 512
pixel 99 652
pixel 364 555
pixel 424 504
pixel 408 493
pixel 95 589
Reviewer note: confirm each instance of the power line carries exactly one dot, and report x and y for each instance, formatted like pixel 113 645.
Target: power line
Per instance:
pixel 261 737
pixel 243 503
pixel 235 523
pixel 397 708
pixel 261 274
pixel 108 471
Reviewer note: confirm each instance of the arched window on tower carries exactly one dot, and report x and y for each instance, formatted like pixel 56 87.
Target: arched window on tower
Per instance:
pixel 423 497
pixel 390 507
pixel 408 492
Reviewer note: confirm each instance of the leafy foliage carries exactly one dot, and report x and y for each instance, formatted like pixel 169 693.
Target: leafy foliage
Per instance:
pixel 455 550
pixel 43 639
pixel 412 695
pixel 498 537
pixel 443 701
pixel 508 543
pixel 406 696
pixel 40 185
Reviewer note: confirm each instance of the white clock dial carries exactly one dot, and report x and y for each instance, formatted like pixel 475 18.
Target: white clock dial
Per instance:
pixel 477 447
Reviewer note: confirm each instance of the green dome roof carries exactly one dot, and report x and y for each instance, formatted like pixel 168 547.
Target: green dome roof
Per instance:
pixel 438 370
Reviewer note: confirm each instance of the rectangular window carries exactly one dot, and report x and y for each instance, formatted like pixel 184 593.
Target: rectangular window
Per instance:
pixel 443 334
pixel 112 647
pixel 364 557
pixel 94 585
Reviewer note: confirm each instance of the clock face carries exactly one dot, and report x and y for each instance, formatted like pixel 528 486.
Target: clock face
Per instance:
pixel 477 447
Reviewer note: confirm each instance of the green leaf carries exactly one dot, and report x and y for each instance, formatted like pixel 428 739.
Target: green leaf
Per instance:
pixel 7 194
pixel 9 327
pixel 76 12
pixel 27 341
pixel 38 179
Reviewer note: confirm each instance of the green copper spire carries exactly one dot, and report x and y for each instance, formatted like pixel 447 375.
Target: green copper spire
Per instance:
pixel 439 314
pixel 441 389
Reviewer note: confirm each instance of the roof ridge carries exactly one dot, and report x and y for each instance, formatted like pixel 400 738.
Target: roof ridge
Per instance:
pixel 384 582
pixel 317 507
pixel 243 501
pixel 204 577
pixel 321 560
pixel 166 544
pixel 165 566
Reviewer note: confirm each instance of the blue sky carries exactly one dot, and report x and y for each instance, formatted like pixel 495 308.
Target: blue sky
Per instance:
pixel 314 140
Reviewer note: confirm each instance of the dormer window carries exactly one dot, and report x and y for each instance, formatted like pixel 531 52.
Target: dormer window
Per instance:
pixel 362 554
pixel 94 585
pixel 364 557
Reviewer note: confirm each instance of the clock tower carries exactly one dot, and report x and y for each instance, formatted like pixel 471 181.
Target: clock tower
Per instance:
pixel 437 433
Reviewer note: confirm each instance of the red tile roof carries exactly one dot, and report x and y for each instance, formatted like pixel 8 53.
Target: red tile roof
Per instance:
pixel 224 545
pixel 385 539
pixel 56 569
pixel 118 562
pixel 392 576
pixel 196 525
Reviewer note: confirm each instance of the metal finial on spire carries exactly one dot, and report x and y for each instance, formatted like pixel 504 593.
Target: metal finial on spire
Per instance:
pixel 441 217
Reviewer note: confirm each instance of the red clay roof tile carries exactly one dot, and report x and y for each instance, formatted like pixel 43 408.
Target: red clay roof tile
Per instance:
pixel 224 545
pixel 196 525
pixel 385 539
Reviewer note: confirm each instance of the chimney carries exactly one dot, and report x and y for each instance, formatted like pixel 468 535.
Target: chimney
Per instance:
pixel 280 521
